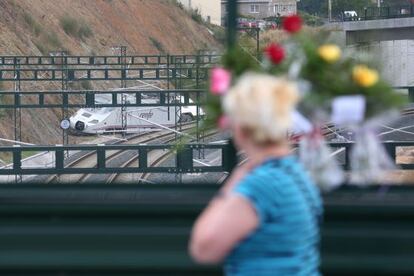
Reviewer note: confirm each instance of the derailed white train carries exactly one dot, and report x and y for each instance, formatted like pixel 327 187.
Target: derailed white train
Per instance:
pixel 109 119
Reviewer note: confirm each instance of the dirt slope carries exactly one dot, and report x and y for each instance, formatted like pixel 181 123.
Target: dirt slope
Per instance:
pixel 139 24
pixel 35 27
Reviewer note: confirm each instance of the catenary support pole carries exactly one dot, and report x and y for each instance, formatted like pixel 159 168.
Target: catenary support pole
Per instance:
pixel 231 23
pixel 231 42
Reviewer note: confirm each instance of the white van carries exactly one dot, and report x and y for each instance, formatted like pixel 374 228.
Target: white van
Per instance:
pixel 351 16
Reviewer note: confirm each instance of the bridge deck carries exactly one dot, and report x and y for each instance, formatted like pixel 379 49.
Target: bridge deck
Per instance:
pixel 144 230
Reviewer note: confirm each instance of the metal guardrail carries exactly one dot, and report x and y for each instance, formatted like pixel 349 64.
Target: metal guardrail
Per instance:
pixel 88 98
pixel 124 230
pixel 185 158
pixel 132 60
pixel 391 148
pixel 388 12
pixel 102 74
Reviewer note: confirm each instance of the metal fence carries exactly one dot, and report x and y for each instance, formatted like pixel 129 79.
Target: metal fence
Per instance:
pixel 101 74
pixel 343 151
pixel 373 13
pixel 90 99
pixel 132 60
pixel 185 158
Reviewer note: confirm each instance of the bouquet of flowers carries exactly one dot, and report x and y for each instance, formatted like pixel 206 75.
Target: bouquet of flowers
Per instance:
pixel 336 87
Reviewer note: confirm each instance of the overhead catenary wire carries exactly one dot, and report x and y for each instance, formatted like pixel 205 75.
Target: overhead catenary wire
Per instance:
pixel 16 142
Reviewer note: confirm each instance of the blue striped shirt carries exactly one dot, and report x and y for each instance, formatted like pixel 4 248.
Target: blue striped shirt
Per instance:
pixel 289 208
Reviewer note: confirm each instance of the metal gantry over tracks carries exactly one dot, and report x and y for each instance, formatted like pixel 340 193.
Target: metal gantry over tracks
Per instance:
pixel 87 98
pixel 115 60
pixel 176 70
pixel 67 69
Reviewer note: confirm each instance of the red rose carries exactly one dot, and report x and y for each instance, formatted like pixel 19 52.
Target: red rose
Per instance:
pixel 292 23
pixel 275 53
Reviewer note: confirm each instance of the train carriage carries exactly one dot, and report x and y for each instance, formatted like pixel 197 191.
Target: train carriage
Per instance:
pixel 109 119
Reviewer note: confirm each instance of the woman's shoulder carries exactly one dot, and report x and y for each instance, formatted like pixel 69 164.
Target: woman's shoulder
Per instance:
pixel 278 176
pixel 274 168
pixel 269 173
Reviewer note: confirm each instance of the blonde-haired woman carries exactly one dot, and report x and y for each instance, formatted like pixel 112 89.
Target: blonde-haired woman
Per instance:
pixel 265 220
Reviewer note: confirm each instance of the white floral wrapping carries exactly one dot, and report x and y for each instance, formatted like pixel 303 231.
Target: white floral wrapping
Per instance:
pixel 368 158
pixel 317 158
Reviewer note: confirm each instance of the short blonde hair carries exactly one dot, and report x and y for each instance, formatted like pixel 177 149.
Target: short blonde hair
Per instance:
pixel 263 105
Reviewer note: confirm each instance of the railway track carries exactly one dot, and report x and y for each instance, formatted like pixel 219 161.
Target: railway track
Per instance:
pixel 129 158
pixel 409 111
pixel 329 132
pixel 124 159
pixel 155 158
pixel 89 159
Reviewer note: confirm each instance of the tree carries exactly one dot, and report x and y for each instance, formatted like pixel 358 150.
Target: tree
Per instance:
pixel 338 6
pixel 320 7
pixel 394 3
pixel 314 7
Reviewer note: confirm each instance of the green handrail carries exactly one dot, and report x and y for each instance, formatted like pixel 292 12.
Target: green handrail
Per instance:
pixel 185 156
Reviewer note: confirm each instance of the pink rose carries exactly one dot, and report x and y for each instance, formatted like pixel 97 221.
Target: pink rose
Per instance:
pixel 223 122
pixel 220 81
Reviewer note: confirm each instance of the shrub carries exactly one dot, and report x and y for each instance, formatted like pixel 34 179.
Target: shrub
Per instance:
pixel 48 42
pixel 35 27
pixel 69 25
pixel 74 28
pixel 178 4
pixel 157 44
pixel 311 20
pixel 84 31
pixel 39 45
pixel 196 16
pixel 53 40
pixel 194 13
pixel 219 33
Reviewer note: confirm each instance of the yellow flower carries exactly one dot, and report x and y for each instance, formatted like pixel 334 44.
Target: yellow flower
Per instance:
pixel 364 76
pixel 330 53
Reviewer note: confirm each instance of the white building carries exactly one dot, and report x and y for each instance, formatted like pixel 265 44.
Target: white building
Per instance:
pixel 210 10
pixel 260 9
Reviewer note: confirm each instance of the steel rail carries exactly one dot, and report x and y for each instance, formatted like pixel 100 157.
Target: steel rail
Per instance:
pixel 163 139
pixel 135 139
pixel 160 157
